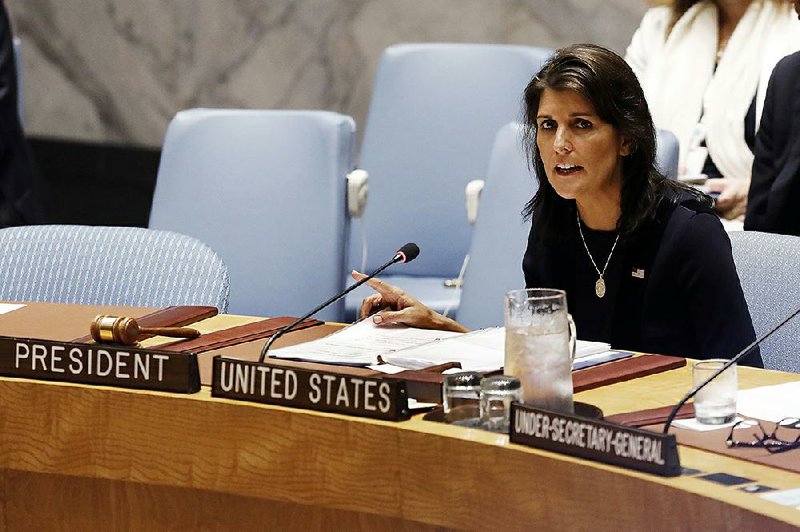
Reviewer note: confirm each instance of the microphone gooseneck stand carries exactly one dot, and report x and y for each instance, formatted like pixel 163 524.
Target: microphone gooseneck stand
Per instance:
pixel 406 253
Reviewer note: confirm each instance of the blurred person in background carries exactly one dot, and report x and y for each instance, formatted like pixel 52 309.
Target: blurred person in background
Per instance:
pixel 774 199
pixel 20 200
pixel 704 67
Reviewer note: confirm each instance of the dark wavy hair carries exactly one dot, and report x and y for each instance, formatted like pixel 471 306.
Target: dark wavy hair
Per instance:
pixel 609 84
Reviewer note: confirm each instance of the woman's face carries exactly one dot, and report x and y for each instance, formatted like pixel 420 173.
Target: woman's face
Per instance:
pixel 582 154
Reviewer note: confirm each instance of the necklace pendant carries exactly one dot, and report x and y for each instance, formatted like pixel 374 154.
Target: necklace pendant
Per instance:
pixel 600 288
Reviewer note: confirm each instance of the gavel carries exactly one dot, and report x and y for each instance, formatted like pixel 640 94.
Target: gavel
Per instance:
pixel 125 331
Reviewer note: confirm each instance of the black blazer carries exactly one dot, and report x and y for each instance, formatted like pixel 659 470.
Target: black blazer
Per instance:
pixel 19 192
pixel 685 299
pixel 773 204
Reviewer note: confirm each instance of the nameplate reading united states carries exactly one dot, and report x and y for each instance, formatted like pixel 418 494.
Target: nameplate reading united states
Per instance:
pixel 596 440
pixel 314 390
pixel 109 365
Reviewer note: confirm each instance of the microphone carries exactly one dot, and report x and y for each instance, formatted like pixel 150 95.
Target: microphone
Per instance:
pixel 407 253
pixel 740 355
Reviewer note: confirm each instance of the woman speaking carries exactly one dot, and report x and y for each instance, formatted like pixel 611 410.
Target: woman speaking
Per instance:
pixel 644 261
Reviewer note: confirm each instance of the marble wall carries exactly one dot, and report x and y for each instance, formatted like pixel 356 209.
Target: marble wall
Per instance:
pixel 118 70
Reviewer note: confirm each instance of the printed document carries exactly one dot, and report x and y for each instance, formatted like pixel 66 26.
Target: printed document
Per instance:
pixel 361 344
pixel 366 344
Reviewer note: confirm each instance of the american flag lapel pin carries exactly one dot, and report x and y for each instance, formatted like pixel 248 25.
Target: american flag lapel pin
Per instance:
pixel 638 273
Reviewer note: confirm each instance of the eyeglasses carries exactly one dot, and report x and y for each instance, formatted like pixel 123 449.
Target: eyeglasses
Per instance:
pixel 785 437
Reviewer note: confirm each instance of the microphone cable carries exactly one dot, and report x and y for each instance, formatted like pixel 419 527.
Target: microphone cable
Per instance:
pixel 457 285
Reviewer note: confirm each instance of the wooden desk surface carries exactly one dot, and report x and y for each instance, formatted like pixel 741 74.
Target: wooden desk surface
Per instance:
pixel 82 457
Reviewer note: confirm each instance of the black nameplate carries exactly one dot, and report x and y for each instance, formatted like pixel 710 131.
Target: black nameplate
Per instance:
pixel 109 365
pixel 314 390
pixel 596 440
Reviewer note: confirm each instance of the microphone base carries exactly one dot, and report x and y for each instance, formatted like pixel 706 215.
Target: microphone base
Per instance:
pixel 587 410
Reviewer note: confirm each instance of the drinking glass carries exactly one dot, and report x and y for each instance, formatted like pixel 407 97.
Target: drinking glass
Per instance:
pixel 716 403
pixel 461 398
pixel 497 394
pixel 540 347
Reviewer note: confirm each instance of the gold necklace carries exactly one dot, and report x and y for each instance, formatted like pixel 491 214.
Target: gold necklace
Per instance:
pixel 721 49
pixel 600 284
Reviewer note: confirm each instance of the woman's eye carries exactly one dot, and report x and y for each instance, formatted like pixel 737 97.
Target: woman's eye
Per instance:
pixel 547 124
pixel 584 124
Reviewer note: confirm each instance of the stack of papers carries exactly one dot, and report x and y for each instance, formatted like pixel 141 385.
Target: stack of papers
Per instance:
pixel 400 348
pixel 361 344
pixel 770 403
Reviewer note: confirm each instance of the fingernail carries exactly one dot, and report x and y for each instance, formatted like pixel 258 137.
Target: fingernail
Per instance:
pixel 377 318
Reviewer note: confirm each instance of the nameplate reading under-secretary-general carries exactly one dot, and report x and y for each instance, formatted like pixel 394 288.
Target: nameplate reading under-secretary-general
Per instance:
pixel 110 365
pixel 314 390
pixel 596 440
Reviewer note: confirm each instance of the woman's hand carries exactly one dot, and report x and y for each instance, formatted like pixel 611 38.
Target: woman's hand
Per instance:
pixel 732 200
pixel 392 305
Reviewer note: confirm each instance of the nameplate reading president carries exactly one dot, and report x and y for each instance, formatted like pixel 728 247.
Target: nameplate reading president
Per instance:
pixel 109 365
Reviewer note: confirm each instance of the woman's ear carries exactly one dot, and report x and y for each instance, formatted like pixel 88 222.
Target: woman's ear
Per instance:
pixel 627 147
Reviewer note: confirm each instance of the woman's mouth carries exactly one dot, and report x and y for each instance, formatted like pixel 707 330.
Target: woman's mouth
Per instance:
pixel 567 169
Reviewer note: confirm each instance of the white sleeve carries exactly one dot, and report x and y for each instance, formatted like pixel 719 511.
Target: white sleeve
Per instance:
pixel 648 39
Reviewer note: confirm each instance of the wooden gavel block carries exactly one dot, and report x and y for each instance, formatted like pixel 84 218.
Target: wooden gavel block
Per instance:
pixel 125 331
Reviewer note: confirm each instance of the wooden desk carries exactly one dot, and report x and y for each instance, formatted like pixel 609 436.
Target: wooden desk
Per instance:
pixel 81 457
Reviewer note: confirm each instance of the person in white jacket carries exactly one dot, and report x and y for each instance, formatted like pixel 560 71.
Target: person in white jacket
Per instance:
pixel 704 67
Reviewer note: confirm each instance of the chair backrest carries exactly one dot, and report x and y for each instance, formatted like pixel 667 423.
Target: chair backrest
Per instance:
pixel 769 270
pixel 266 190
pixel 667 153
pixel 434 113
pixel 501 235
pixel 109 266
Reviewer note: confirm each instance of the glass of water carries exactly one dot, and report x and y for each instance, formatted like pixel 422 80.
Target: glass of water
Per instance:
pixel 461 398
pixel 716 403
pixel 540 347
pixel 497 394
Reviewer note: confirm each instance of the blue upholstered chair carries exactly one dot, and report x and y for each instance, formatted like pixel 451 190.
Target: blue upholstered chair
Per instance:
pixel 109 266
pixel 434 113
pixel 769 270
pixel 667 153
pixel 500 235
pixel 266 190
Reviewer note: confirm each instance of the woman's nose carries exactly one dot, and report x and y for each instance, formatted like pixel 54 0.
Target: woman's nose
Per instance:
pixel 562 143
